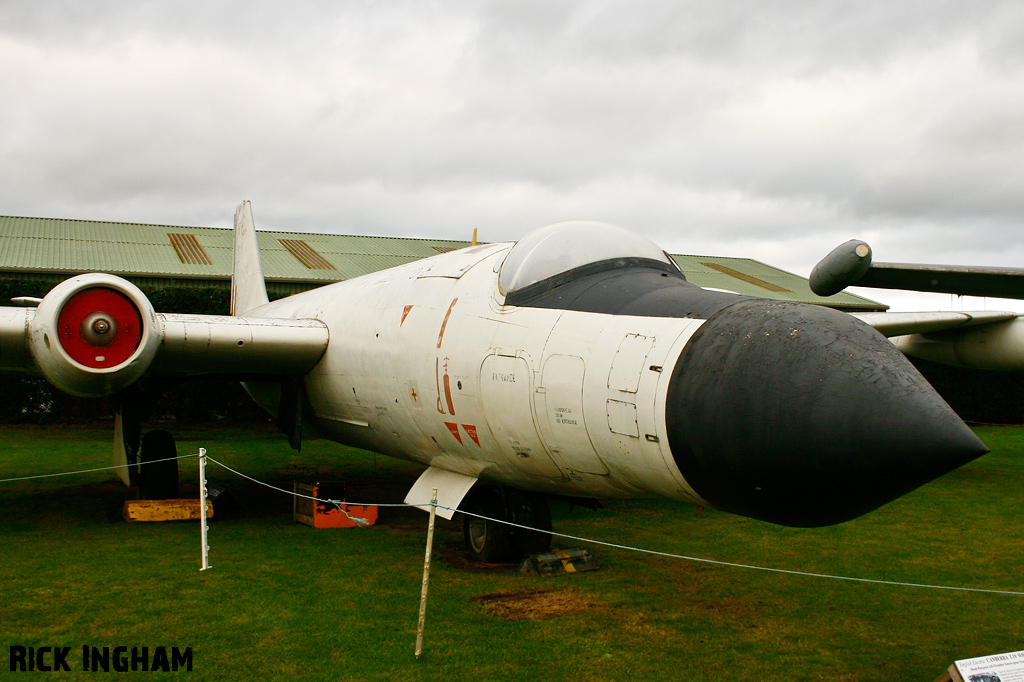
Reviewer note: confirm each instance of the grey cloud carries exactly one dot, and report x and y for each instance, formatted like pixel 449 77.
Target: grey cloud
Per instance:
pixel 782 128
pixel 809 36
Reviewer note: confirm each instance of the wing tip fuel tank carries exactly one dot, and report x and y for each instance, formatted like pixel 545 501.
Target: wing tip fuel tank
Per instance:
pixel 842 267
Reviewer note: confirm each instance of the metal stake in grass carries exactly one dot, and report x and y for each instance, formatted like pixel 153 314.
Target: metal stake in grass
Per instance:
pixel 202 509
pixel 426 575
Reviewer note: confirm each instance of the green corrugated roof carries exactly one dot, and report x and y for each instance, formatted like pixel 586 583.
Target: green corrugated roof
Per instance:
pixel 57 246
pixel 754 278
pixel 74 246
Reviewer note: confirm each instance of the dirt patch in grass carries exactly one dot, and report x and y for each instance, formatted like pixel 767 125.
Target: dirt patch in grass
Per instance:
pixel 532 604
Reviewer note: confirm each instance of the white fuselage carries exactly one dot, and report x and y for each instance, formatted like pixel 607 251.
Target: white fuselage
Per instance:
pixel 426 363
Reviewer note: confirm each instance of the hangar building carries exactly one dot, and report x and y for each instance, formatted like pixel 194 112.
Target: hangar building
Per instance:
pixel 189 270
pixel 159 256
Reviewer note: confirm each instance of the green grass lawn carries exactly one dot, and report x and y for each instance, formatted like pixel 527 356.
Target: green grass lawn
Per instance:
pixel 285 601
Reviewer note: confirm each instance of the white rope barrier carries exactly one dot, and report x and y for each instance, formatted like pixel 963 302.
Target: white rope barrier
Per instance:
pixel 670 555
pixel 433 504
pixel 89 471
pixel 750 567
pixel 361 522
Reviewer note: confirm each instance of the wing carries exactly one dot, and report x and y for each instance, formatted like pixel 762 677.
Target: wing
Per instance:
pixel 96 334
pixel 982 340
pixel 947 279
pixel 900 324
pixel 850 264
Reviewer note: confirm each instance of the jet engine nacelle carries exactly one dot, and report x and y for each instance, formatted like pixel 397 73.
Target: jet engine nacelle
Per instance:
pixel 94 334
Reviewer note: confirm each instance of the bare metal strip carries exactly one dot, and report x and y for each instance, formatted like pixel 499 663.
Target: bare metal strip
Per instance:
pixel 306 254
pixel 189 249
pixel 749 279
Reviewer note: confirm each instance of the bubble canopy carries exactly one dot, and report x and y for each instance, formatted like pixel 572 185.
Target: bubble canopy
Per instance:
pixel 561 247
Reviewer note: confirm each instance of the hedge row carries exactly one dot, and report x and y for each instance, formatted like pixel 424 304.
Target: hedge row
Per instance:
pixel 978 396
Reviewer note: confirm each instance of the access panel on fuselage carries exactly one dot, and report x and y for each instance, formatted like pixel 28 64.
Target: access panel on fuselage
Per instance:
pixel 628 363
pixel 506 393
pixel 560 408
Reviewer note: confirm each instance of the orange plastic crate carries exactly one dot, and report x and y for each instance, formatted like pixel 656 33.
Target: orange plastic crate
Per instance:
pixel 323 515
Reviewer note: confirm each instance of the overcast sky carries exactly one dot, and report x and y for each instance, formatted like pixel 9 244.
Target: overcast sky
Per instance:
pixel 771 129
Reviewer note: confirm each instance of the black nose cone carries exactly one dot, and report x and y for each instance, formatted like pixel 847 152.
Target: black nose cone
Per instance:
pixel 805 416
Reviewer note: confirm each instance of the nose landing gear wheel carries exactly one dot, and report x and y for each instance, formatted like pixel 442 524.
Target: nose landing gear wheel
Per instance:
pixel 487 541
pixel 490 541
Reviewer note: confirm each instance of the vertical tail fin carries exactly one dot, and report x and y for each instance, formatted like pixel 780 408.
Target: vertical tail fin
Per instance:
pixel 248 287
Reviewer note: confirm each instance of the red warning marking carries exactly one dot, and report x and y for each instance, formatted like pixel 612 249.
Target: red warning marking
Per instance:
pixel 437 378
pixel 405 314
pixel 454 428
pixel 445 323
pixel 471 430
pixel 448 395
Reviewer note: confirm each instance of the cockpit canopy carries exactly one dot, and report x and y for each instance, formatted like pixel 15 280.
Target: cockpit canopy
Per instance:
pixel 562 247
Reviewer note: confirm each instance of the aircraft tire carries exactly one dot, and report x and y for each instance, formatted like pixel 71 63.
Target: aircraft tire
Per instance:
pixel 158 481
pixel 487 541
pixel 528 509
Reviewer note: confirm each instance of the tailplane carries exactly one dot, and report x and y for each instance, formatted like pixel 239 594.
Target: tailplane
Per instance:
pixel 248 287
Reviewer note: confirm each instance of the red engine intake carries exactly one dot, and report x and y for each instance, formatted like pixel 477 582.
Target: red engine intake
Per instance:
pixel 93 335
pixel 99 328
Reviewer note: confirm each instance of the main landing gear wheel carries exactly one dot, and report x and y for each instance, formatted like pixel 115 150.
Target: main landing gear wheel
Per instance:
pixel 158 480
pixel 492 542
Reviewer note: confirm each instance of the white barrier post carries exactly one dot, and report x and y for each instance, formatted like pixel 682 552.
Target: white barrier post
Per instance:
pixel 202 509
pixel 426 575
